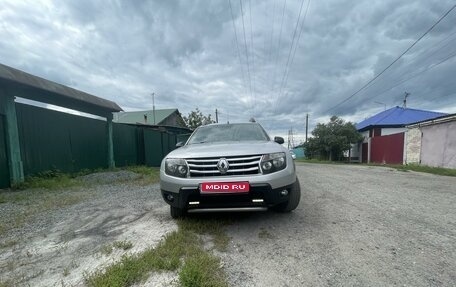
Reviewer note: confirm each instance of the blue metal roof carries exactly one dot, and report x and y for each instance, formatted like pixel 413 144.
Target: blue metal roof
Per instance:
pixel 397 117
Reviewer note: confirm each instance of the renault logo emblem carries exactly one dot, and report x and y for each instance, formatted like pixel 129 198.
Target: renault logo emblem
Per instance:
pixel 223 165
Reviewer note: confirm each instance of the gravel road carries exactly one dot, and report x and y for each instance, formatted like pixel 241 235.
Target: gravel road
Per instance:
pixel 355 226
pixel 61 246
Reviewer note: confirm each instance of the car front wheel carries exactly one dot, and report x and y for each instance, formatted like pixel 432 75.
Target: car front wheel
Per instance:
pixel 293 201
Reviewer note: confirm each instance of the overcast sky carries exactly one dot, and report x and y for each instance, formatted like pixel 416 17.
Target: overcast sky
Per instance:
pixel 209 55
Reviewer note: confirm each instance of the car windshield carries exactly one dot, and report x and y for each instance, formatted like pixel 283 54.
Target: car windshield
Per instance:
pixel 228 132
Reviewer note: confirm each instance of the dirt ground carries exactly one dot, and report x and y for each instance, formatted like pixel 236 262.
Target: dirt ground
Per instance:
pixel 355 226
pixel 60 247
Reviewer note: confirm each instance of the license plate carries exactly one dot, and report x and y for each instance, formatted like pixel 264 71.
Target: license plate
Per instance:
pixel 225 187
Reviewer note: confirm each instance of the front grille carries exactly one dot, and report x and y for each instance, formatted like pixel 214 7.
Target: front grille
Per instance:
pixel 238 165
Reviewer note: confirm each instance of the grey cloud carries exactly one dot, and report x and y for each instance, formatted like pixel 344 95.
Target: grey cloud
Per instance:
pixel 185 52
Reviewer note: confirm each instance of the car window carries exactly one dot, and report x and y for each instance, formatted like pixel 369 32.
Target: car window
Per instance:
pixel 228 132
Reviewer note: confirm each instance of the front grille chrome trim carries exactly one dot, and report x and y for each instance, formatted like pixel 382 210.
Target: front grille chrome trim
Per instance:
pixel 239 165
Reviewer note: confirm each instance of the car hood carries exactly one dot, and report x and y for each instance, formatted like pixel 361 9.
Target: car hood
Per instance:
pixel 222 149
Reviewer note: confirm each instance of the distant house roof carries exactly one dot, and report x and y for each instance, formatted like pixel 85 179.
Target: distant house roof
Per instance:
pixel 144 117
pixel 27 86
pixel 397 117
pixel 434 121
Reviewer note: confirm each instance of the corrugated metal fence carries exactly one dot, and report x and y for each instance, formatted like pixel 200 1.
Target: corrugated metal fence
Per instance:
pixel 69 143
pixel 4 172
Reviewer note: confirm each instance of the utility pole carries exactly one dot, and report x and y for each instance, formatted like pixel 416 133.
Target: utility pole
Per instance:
pixel 307 125
pixel 405 99
pixel 216 116
pixel 153 105
pixel 288 139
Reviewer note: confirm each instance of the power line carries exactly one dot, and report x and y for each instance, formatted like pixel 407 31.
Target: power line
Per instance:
pixel 416 75
pixel 270 76
pixel 278 47
pixel 246 52
pixel 237 44
pixel 289 53
pixel 426 54
pixel 397 59
pixel 297 43
pixel 253 56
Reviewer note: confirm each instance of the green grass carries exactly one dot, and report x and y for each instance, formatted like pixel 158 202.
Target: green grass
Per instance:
pixel 405 168
pixel 32 202
pixel 58 181
pixel 149 175
pixel 123 245
pixel 180 251
pixel 319 161
pixel 54 179
pixel 213 227
pixel 106 249
pixel 43 192
pixel 421 168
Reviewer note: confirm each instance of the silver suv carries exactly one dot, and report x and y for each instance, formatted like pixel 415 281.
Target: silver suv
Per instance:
pixel 229 167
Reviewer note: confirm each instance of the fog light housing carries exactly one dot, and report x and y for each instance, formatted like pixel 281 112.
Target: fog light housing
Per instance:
pixel 169 197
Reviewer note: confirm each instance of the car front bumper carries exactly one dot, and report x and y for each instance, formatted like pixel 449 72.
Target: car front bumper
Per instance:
pixel 260 195
pixel 265 190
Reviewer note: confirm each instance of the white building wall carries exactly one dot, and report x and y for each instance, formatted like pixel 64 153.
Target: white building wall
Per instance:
pixel 438 145
pixel 392 131
pixel 412 145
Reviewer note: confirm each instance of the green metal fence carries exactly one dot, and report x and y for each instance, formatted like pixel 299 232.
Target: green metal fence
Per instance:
pixel 127 141
pixel 52 140
pixel 157 145
pixel 4 171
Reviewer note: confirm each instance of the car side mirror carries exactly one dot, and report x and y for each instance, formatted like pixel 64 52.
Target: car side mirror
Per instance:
pixel 279 140
pixel 180 144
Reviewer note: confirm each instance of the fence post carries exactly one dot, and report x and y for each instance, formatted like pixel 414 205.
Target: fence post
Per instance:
pixel 111 163
pixel 8 108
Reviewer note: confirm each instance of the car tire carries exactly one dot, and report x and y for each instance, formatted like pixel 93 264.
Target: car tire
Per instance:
pixel 176 212
pixel 293 200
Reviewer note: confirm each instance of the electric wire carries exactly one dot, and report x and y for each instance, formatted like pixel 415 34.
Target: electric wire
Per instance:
pixel 392 63
pixel 296 46
pixel 278 46
pixel 415 75
pixel 426 54
pixel 289 53
pixel 253 57
pixel 246 51
pixel 237 44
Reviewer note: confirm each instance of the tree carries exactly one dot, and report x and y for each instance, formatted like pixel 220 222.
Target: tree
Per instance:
pixel 330 140
pixel 196 118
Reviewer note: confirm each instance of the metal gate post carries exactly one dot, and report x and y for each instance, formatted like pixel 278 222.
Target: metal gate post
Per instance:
pixel 111 163
pixel 8 108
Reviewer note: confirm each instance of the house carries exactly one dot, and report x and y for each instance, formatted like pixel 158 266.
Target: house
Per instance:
pixel 384 134
pixel 162 117
pixel 432 142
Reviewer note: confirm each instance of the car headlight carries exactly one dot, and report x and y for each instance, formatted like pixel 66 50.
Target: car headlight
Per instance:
pixel 176 167
pixel 273 162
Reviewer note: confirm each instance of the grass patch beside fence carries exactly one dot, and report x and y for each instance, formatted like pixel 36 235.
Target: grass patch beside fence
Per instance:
pixel 319 161
pixel 51 190
pixel 149 175
pixel 400 167
pixel 421 168
pixel 180 251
